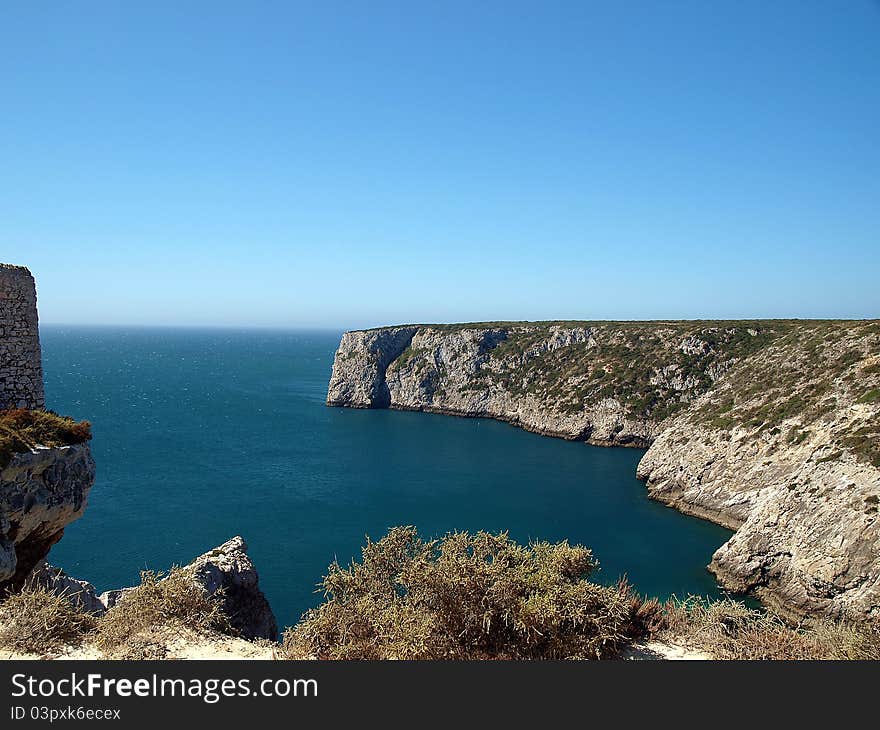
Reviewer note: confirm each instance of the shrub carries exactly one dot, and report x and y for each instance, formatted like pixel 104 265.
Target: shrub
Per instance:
pixel 864 442
pixel 727 629
pixel 138 626
pixel 22 430
pixel 870 396
pixel 37 621
pixel 479 596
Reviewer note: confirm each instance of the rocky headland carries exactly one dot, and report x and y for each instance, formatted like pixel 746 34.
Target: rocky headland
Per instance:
pixel 771 428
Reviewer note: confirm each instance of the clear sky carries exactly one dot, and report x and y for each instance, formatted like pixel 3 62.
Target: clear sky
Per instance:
pixel 360 163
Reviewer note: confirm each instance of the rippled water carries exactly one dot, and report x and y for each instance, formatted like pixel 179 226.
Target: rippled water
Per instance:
pixel 203 434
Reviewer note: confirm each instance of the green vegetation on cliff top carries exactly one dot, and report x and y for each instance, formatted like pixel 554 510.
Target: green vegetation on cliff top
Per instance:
pixel 803 381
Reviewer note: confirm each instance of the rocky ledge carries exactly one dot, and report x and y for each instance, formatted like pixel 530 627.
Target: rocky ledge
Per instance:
pixel 771 428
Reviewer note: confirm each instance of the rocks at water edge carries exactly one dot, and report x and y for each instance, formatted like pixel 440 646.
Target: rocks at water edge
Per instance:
pixel 807 535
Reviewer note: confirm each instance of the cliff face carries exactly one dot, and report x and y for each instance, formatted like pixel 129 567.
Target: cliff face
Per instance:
pixel 606 383
pixel 41 492
pixel 770 428
pixel 807 538
pixel 359 370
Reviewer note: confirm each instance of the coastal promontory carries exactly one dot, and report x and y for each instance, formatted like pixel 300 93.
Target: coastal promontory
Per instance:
pixel 769 427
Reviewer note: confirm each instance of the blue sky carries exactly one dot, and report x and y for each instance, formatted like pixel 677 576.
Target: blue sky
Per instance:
pixel 350 164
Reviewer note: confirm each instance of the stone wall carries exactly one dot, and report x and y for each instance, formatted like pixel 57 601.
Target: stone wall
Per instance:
pixel 21 369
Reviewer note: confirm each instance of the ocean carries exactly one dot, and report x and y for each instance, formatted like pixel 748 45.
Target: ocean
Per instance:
pixel 202 434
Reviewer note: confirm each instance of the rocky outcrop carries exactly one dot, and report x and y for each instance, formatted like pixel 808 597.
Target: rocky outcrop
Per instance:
pixel 769 428
pixel 41 492
pixel 807 531
pixel 227 571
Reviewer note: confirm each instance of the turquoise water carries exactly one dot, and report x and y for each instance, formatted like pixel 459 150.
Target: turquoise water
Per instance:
pixel 203 434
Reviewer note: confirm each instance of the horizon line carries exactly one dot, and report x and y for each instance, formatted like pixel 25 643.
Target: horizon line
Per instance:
pixel 337 327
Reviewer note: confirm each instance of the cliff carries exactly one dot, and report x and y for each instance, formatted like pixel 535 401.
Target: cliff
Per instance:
pixel 605 383
pixel 768 427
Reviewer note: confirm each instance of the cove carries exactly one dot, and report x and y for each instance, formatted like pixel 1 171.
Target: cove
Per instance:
pixel 202 434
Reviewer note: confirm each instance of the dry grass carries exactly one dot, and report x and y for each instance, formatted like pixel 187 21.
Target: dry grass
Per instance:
pixel 139 626
pixel 466 596
pixel 21 430
pixel 727 629
pixel 36 621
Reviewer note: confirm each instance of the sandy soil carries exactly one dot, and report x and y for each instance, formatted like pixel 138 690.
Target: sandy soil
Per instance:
pixel 662 651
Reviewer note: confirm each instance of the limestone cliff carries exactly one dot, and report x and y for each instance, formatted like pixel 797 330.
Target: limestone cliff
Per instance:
pixel 606 383
pixel 769 427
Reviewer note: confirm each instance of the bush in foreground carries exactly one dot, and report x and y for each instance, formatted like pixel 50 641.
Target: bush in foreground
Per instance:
pixel 36 621
pixel 727 629
pixel 22 430
pixel 466 596
pixel 140 625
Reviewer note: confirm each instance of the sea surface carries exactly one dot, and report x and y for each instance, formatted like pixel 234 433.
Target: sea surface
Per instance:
pixel 202 434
